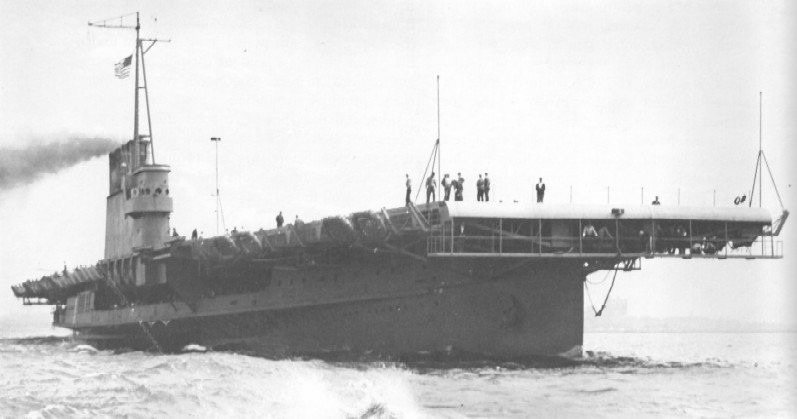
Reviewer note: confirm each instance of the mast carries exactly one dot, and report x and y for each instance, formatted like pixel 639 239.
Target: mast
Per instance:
pixel 760 147
pixel 439 151
pixel 135 95
pixel 140 51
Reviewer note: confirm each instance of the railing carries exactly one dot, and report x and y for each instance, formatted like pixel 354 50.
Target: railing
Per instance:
pixel 603 247
pixel 668 195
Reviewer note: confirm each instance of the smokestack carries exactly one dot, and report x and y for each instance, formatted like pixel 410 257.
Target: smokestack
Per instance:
pixel 23 166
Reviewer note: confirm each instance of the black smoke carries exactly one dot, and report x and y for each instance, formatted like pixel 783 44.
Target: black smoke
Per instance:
pixel 20 166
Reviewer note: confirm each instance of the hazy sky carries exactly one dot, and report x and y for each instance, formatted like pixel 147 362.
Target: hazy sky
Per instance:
pixel 323 106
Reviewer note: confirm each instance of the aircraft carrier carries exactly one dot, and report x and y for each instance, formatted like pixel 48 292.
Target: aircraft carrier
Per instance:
pixel 483 279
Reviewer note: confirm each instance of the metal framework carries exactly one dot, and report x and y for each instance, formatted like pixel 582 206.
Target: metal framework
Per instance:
pixel 491 238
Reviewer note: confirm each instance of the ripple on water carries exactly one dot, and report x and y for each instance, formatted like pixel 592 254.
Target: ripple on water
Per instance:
pixel 51 378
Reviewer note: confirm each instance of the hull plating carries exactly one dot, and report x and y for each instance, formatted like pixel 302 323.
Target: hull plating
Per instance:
pixel 527 312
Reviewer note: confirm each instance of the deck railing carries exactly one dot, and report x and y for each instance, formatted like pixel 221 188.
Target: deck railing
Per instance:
pixel 498 245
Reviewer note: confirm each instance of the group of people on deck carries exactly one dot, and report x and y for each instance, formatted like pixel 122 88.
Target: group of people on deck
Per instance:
pixel 482 188
pixel 448 184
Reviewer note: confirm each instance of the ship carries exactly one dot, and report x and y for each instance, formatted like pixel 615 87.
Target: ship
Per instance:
pixel 489 280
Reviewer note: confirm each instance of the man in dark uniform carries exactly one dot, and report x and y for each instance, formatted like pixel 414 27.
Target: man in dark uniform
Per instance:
pixel 540 191
pixel 447 187
pixel 409 190
pixel 486 188
pixel 430 188
pixel 459 186
pixel 280 220
pixel 480 189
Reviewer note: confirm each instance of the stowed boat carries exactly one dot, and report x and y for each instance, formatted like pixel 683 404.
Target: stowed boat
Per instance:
pixel 497 280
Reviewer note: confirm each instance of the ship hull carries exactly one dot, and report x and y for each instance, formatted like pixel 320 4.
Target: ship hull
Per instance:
pixel 512 315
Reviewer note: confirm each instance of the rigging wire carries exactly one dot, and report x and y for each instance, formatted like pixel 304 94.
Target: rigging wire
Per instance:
pixel 104 21
pixel 605 277
pixel 761 160
pixel 606 299
pixel 432 159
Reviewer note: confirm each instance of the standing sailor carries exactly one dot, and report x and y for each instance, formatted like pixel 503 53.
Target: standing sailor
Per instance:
pixel 486 188
pixel 459 187
pixel 540 191
pixel 447 187
pixel 409 190
pixel 480 189
pixel 430 186
pixel 280 220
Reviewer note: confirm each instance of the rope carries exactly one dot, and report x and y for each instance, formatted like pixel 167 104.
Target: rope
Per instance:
pixel 605 277
pixel 103 21
pixel 432 158
pixel 605 300
pixel 773 181
pixel 755 177
pixel 126 303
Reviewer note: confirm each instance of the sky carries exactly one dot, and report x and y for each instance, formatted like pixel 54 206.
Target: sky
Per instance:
pixel 323 107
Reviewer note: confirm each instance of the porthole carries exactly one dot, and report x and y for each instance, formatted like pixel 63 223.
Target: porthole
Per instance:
pixel 167 191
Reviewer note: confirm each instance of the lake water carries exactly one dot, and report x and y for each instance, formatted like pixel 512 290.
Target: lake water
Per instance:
pixel 623 374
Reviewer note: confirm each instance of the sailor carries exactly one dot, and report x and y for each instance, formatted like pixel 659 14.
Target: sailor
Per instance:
pixel 455 186
pixel 234 230
pixel 656 201
pixel 446 187
pixel 480 189
pixel 486 188
pixel 589 231
pixel 645 240
pixel 540 191
pixel 430 188
pixel 709 247
pixel 280 220
pixel 194 235
pixel 603 233
pixel 459 187
pixel 297 221
pixel 174 232
pixel 409 190
pixel 681 238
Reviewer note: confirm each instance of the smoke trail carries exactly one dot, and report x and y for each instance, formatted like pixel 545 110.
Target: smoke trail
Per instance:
pixel 23 166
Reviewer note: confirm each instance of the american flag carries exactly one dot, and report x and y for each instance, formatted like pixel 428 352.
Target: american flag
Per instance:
pixel 122 68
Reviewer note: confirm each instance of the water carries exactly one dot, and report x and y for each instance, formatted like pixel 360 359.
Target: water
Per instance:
pixel 631 374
